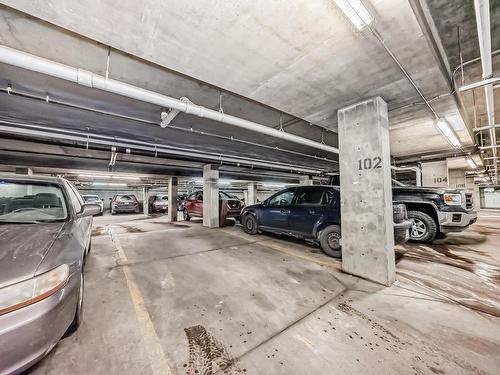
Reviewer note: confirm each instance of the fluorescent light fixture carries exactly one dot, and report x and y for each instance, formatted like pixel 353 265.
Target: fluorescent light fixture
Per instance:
pixel 471 163
pixel 274 185
pixel 108 176
pixel 109 184
pixel 356 12
pixel 125 178
pixel 92 176
pixel 447 131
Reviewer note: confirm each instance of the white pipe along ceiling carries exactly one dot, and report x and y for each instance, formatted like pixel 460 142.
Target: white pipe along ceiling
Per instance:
pixel 86 78
pixel 482 10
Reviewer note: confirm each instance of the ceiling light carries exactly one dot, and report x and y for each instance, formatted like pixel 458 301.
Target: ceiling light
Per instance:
pixel 472 164
pixel 356 12
pixel 109 184
pixel 92 176
pixel 125 178
pixel 107 176
pixel 279 186
pixel 447 131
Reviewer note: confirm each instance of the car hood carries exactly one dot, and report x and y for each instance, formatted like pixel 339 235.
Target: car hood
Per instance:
pixel 22 249
pixel 423 189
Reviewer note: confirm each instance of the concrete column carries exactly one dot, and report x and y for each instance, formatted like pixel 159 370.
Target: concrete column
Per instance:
pixel 210 196
pixel 251 195
pixel 435 174
pixel 456 178
pixel 366 192
pixel 172 198
pixel 306 180
pixel 145 200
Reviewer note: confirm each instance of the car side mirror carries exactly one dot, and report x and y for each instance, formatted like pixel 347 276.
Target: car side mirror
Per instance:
pixel 283 202
pixel 89 209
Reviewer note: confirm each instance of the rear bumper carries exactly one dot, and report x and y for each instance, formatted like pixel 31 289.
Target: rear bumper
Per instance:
pixel 125 209
pixel 160 208
pixel 28 334
pixel 402 231
pixel 456 221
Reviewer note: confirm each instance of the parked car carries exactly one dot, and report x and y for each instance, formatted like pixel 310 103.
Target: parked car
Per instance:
pixel 124 203
pixel 436 211
pixel 95 200
pixel 45 229
pixel 311 213
pixel 158 203
pixel 229 206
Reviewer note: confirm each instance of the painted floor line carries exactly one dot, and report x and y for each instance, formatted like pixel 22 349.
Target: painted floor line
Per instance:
pixel 153 348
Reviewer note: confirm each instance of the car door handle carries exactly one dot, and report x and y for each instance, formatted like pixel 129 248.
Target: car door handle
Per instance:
pixel 312 212
pixel 284 211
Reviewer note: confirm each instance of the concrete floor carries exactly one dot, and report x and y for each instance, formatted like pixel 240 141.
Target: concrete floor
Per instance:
pixel 177 298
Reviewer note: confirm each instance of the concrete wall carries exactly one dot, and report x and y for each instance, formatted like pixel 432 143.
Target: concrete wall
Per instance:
pixel 435 174
pixel 491 199
pixel 456 178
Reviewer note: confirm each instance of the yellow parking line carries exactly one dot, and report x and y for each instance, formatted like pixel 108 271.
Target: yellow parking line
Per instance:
pixel 153 348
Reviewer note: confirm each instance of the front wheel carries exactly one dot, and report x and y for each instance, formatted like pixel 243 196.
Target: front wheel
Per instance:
pixel 186 216
pixel 424 228
pixel 330 240
pixel 250 224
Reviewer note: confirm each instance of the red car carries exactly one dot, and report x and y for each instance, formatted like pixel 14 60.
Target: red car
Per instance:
pixel 229 206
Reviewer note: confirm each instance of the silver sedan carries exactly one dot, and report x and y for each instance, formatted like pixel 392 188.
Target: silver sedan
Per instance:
pixel 45 230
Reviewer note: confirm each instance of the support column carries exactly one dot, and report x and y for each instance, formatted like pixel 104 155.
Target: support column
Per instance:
pixel 251 194
pixel 145 200
pixel 172 198
pixel 366 192
pixel 210 196
pixel 306 180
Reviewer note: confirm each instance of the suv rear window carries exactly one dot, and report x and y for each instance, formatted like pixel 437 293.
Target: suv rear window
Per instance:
pixel 125 198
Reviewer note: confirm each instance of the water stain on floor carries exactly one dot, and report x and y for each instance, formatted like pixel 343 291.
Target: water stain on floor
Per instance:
pixel 207 355
pixel 130 229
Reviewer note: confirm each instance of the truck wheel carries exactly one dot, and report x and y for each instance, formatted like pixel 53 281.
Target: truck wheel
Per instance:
pixel 330 240
pixel 186 215
pixel 250 224
pixel 424 228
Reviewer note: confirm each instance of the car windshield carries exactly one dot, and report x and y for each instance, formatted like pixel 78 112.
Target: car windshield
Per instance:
pixel 90 198
pixel 162 198
pixel 22 202
pixel 224 195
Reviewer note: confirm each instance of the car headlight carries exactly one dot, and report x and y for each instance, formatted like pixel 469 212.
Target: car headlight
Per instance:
pixel 24 293
pixel 453 199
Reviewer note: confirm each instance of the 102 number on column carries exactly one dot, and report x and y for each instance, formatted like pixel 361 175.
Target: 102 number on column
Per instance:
pixel 370 163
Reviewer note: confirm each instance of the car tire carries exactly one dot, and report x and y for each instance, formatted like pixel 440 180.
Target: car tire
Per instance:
pixel 424 228
pixel 330 240
pixel 77 320
pixel 250 224
pixel 186 216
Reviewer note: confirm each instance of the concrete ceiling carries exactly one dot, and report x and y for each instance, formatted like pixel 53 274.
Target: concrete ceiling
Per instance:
pixel 300 57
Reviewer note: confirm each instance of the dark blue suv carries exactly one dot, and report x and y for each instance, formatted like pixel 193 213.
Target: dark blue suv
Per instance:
pixel 311 213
